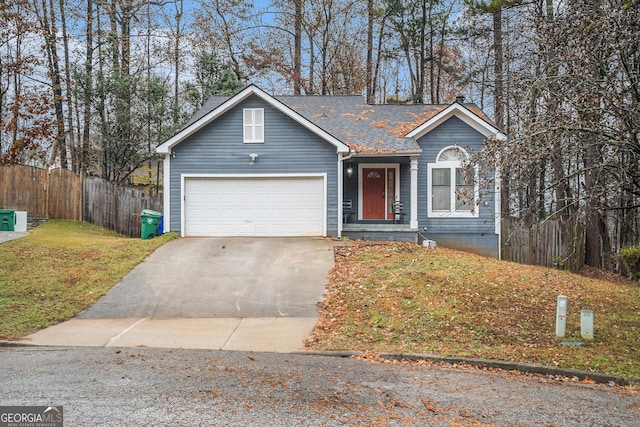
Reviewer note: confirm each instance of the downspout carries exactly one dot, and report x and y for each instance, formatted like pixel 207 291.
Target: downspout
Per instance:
pixel 498 210
pixel 498 196
pixel 166 170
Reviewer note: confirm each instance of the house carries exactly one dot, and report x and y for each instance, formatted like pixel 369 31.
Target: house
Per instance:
pixel 259 165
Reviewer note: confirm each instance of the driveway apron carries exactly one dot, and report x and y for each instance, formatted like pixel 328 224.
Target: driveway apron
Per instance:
pixel 243 294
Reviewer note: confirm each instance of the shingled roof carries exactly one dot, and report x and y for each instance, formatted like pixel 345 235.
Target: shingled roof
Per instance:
pixel 365 128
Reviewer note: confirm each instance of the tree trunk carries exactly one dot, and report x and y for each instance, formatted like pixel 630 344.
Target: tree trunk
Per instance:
pixel 376 69
pixel 421 63
pixel 597 245
pixel 101 95
pixel 176 58
pixel 557 156
pixel 432 62
pixel 498 96
pixel 48 22
pixel 498 66
pixel 88 89
pixel 67 67
pixel 369 65
pixel 311 84
pixel 297 47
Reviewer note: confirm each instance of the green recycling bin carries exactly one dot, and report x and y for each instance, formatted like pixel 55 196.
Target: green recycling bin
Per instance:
pixel 150 223
pixel 7 219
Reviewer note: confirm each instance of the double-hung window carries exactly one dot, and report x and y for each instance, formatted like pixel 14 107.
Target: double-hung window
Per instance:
pixel 452 190
pixel 253 120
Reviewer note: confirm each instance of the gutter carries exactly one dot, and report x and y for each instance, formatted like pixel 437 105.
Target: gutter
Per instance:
pixel 405 153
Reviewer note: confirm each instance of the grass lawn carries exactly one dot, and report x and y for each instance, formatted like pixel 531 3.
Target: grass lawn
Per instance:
pixel 405 298
pixel 61 268
pixel 381 297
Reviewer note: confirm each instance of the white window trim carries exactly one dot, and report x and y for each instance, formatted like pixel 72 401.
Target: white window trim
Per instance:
pixel 452 166
pixel 250 139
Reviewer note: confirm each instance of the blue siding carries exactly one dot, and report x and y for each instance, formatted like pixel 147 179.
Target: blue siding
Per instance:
pixel 350 186
pixel 405 188
pixel 477 234
pixel 478 243
pixel 218 148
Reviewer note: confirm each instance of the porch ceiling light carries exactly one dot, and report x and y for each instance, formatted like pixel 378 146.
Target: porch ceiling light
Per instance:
pixel 349 171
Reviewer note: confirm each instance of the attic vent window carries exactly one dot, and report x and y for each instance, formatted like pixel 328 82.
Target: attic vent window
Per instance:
pixel 253 125
pixel 452 154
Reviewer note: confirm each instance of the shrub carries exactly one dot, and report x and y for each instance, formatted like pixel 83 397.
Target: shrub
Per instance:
pixel 631 258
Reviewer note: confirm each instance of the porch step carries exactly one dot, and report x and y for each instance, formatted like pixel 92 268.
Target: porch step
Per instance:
pixel 377 227
pixel 381 232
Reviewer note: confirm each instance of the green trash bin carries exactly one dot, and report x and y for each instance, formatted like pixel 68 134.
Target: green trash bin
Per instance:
pixel 150 222
pixel 7 219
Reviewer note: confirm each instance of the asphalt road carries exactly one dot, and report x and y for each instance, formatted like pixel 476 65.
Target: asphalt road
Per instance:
pixel 144 386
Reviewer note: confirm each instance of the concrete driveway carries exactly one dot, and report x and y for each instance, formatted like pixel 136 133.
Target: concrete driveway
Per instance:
pixel 220 293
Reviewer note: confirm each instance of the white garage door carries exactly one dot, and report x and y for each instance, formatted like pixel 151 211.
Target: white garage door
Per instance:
pixel 255 206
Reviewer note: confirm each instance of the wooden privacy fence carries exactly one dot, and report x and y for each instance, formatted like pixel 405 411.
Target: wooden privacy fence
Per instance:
pixel 553 243
pixel 43 194
pixel 64 195
pixel 117 208
pixel 60 194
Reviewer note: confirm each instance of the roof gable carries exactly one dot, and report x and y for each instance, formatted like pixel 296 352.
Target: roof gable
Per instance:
pixel 196 125
pixel 460 111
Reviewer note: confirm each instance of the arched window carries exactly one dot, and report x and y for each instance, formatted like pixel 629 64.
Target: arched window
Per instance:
pixel 452 189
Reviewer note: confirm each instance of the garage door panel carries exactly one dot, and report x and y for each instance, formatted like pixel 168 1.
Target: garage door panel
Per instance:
pixel 280 198
pixel 261 197
pixel 287 206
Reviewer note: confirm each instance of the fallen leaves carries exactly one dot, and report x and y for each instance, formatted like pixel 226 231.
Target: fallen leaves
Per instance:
pixel 400 297
pixel 433 407
pixel 403 128
pixel 381 124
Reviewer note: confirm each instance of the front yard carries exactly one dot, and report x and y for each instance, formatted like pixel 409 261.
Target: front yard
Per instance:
pixel 61 268
pixel 404 298
pixel 381 297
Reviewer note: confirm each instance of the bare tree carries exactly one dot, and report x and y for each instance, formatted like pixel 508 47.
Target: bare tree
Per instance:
pixel 297 46
pixel 224 28
pixel 370 19
pixel 423 28
pixel 46 14
pixel 25 120
pixel 574 122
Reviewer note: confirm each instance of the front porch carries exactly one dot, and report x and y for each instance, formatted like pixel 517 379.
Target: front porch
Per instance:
pixel 379 199
pixel 380 232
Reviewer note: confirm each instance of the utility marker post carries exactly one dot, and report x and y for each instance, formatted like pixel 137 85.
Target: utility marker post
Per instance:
pixel 561 316
pixel 586 324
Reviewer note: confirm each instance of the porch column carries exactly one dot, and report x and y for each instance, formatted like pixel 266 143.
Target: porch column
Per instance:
pixel 340 193
pixel 413 222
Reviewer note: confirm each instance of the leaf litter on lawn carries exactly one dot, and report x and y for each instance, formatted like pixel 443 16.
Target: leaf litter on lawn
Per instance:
pixel 402 297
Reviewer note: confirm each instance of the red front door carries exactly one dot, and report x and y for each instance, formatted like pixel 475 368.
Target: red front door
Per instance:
pixel 373 193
